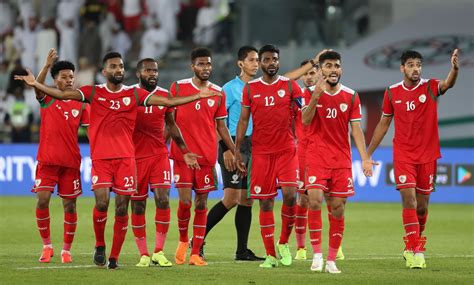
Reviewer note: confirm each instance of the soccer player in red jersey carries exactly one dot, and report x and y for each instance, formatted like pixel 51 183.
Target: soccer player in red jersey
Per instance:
pixel 270 100
pixel 201 119
pixel 413 102
pixel 112 121
pixel 153 166
pixel 331 108
pixel 59 158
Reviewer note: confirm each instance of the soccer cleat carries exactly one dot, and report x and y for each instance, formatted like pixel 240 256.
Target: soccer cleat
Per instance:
pixel 144 261
pixel 201 250
pixel 66 256
pixel 409 258
pixel 418 261
pixel 331 267
pixel 99 256
pixel 112 264
pixel 270 262
pixel 46 254
pixel 285 254
pixel 301 254
pixel 340 254
pixel 317 264
pixel 180 255
pixel 197 260
pixel 159 258
pixel 247 255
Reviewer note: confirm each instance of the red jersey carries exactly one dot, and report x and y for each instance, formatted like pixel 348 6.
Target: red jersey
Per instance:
pixel 149 134
pixel 60 121
pixel 197 121
pixel 300 129
pixel 112 120
pixel 328 135
pixel 416 138
pixel 271 106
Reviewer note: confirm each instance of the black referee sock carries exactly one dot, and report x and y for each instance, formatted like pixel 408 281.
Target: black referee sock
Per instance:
pixel 243 220
pixel 215 215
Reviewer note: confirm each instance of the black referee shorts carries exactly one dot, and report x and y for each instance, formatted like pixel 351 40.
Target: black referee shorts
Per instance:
pixel 231 179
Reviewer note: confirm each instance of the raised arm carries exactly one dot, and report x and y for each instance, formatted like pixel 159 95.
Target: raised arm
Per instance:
pixel 379 133
pixel 52 56
pixel 239 137
pixel 180 100
pixel 223 132
pixel 67 94
pixel 359 141
pixel 295 74
pixel 450 80
pixel 175 133
pixel 310 110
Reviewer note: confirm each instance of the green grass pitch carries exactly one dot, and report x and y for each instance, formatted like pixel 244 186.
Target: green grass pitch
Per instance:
pixel 372 245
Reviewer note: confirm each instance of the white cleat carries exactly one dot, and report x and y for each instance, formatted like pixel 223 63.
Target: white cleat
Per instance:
pixel 317 265
pixel 331 267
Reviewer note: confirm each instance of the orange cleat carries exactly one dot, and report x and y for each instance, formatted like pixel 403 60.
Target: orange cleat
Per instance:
pixel 180 255
pixel 46 254
pixel 66 256
pixel 195 259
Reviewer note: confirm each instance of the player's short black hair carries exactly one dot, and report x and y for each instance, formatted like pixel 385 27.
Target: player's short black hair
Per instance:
pixel 142 61
pixel 244 51
pixel 200 52
pixel 109 55
pixel 304 62
pixel 268 48
pixel 408 54
pixel 329 55
pixel 61 65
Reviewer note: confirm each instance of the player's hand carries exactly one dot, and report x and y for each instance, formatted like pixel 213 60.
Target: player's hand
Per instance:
pixel 454 59
pixel 367 166
pixel 209 93
pixel 316 58
pixel 241 169
pixel 191 160
pixel 52 56
pixel 229 161
pixel 28 79
pixel 319 86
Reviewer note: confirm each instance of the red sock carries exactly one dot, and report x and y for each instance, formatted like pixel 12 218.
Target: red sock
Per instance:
pixel 99 219
pixel 162 222
pixel 139 231
pixel 42 220
pixel 120 231
pixel 199 226
pixel 336 231
pixel 300 225
pixel 422 221
pixel 184 214
pixel 287 222
pixel 70 224
pixel 412 227
pixel 267 230
pixel 315 225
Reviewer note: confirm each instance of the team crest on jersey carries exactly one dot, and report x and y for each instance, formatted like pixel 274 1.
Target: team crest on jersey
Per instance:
pixel 37 182
pixel 422 98
pixel 300 184
pixel 176 178
pixel 402 178
pixel 210 102
pixel 95 178
pixel 281 93
pixel 161 107
pixel 257 189
pixel 312 179
pixel 126 101
pixel 343 107
pixel 74 113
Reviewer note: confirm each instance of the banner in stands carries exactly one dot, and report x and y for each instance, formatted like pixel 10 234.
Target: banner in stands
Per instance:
pixel 455 177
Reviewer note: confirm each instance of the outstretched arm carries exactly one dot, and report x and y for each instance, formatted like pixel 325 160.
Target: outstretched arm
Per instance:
pixel 379 133
pixel 52 56
pixel 180 100
pixel 175 133
pixel 359 141
pixel 449 82
pixel 295 74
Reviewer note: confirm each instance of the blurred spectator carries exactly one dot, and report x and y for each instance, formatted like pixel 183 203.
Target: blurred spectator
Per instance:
pixel 90 43
pixel 115 8
pixel 67 23
pixel 164 11
pixel 13 84
pixel 92 10
pixel 85 74
pixel 4 76
pixel 47 10
pixel 187 18
pixel 205 31
pixel 19 118
pixel 26 9
pixel 132 12
pixel 154 43
pixel 121 42
pixel 105 31
pixel 25 41
pixel 10 53
pixel 6 17
pixel 46 39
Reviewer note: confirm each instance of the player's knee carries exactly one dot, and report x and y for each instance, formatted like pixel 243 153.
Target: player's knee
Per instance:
pixel 337 209
pixel 421 210
pixel 162 202
pixel 102 206
pixel 69 206
pixel 246 202
pixel 122 210
pixel 42 204
pixel 138 207
pixel 314 204
pixel 201 204
pixel 266 205
pixel 289 199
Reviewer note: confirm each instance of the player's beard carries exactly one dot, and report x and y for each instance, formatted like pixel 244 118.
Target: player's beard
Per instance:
pixel 112 79
pixel 271 73
pixel 203 78
pixel 148 86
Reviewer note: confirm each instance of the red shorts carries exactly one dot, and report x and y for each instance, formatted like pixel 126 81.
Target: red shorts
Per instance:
pixel 337 182
pixel 154 171
pixel 201 180
pixel 120 174
pixel 265 169
pixel 302 165
pixel 68 180
pixel 418 176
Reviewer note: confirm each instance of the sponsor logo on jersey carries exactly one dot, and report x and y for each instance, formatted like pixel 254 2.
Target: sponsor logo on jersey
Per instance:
pixel 210 102
pixel 343 107
pixel 312 179
pixel 95 178
pixel 257 189
pixel 235 179
pixel 281 93
pixel 422 98
pixel 319 106
pixel 37 182
pixel 101 99
pixel 126 101
pixel 176 178
pixel 402 178
pixel 256 96
pixel 398 102
pixel 74 112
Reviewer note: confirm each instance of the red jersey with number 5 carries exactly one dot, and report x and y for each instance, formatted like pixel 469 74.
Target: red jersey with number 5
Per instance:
pixel 60 122
pixel 272 109
pixel 197 121
pixel 416 138
pixel 328 135
pixel 112 120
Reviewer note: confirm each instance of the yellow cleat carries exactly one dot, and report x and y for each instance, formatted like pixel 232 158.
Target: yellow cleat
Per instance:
pixel 409 258
pixel 160 259
pixel 301 254
pixel 340 254
pixel 418 261
pixel 144 261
